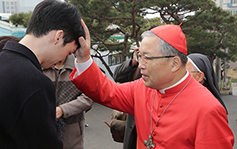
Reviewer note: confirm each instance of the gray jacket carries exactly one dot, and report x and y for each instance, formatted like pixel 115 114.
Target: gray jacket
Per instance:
pixel 72 101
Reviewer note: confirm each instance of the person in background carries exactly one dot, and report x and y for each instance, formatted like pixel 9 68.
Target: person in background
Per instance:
pixel 27 105
pixel 201 68
pixel 4 39
pixel 71 105
pixel 126 72
pixel 171 109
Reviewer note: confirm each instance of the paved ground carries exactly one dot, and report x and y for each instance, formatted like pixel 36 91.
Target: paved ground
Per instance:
pixel 231 103
pixel 98 134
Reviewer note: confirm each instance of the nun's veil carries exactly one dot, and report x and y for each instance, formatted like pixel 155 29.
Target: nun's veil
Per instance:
pixel 204 64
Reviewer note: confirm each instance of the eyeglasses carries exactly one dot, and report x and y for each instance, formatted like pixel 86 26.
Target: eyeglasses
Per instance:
pixel 195 71
pixel 144 58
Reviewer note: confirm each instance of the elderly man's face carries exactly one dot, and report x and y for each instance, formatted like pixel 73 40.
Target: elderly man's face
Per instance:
pixel 156 73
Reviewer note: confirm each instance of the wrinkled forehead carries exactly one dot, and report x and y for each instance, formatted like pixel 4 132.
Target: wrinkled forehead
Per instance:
pixel 149 44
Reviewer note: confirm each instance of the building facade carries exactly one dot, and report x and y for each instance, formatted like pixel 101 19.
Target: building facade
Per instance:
pixel 17 6
pixel 9 6
pixel 228 5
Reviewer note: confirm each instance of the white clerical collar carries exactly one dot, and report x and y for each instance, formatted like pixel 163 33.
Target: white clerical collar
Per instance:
pixel 181 80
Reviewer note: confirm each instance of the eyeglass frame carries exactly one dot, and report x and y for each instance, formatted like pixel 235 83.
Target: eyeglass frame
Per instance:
pixel 195 71
pixel 149 58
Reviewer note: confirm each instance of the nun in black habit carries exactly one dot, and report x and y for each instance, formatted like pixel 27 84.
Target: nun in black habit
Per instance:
pixel 204 67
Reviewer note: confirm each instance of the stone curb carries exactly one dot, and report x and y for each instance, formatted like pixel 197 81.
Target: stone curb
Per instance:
pixel 228 92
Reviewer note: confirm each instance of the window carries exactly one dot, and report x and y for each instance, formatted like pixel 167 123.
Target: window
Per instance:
pixel 114 59
pixel 233 1
pixel 118 59
pixel 3 6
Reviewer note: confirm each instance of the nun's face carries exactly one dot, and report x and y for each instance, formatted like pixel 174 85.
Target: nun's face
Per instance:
pixel 195 73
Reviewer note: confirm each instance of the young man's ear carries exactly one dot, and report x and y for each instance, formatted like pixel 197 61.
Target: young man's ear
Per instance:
pixel 58 36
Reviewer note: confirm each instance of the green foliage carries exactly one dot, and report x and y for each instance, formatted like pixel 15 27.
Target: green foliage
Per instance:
pixel 208 29
pixel 20 18
pixel 125 16
pixel 214 32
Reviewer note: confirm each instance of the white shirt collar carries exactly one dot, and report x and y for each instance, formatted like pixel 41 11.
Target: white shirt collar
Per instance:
pixel 181 80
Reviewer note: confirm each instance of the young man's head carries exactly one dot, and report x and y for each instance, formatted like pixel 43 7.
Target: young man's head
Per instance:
pixel 53 32
pixel 52 15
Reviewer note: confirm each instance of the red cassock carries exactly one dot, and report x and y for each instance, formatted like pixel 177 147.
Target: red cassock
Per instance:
pixel 195 119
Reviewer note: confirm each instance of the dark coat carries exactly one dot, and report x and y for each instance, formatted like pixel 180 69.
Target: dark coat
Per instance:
pixel 124 73
pixel 27 101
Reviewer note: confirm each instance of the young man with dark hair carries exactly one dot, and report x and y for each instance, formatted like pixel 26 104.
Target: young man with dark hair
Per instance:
pixel 27 105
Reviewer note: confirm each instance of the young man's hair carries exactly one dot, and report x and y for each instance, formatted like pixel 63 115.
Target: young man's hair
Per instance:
pixel 52 15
